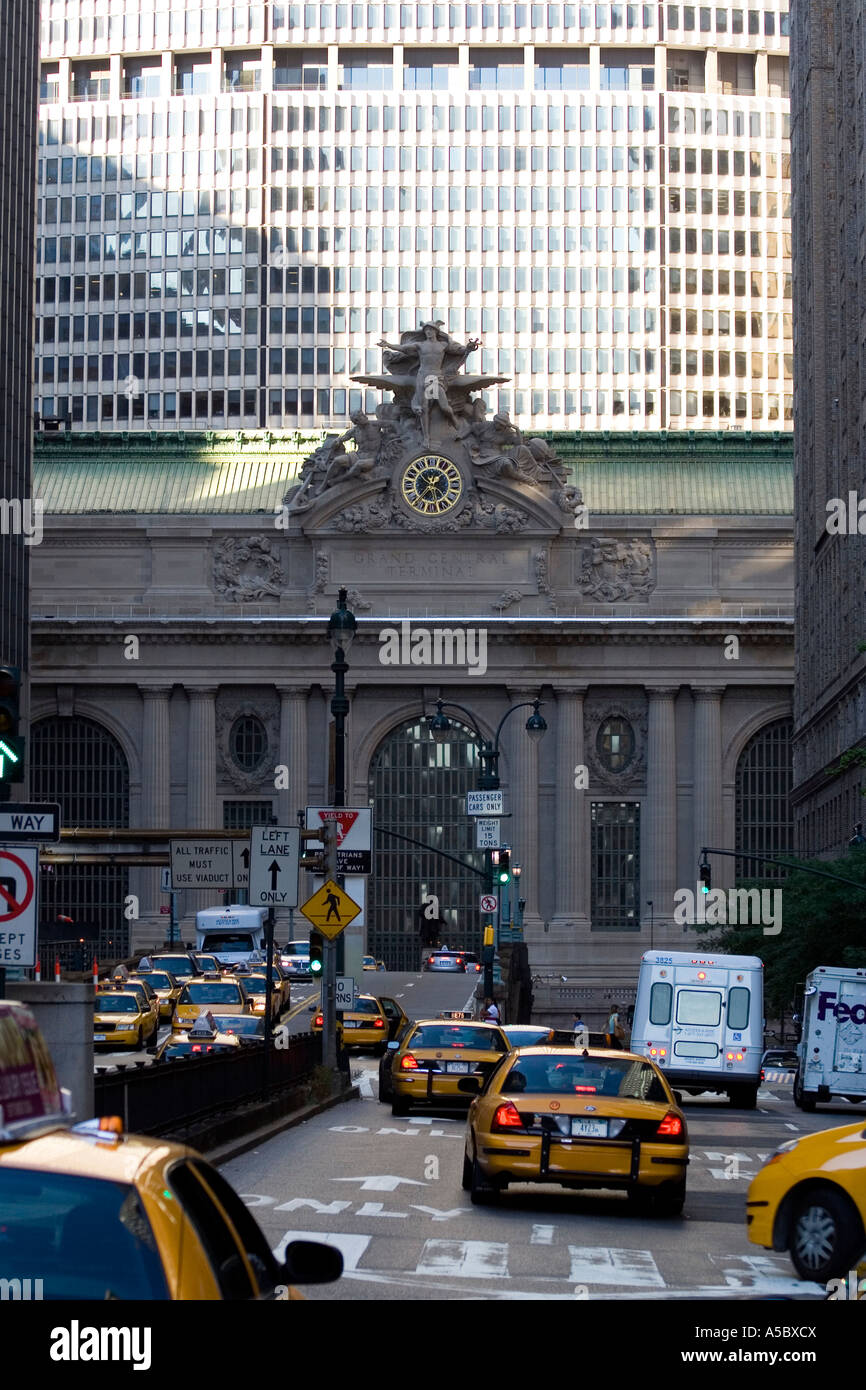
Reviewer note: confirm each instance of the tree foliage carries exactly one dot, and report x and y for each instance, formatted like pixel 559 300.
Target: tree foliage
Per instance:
pixel 823 923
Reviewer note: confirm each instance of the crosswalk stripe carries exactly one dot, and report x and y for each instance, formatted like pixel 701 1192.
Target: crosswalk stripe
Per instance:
pixel 591 1264
pixel 351 1247
pixel 469 1259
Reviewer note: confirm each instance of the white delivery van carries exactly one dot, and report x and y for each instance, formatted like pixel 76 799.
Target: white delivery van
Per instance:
pixel 832 1047
pixel 700 1017
pixel 235 935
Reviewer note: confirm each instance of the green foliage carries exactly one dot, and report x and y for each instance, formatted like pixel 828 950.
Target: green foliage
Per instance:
pixel 823 923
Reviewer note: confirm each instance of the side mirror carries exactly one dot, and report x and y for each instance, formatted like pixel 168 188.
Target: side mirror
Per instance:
pixel 678 1097
pixel 392 1046
pixel 311 1262
pixel 470 1085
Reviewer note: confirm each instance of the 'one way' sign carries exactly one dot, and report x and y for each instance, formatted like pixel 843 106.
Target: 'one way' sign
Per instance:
pixel 274 855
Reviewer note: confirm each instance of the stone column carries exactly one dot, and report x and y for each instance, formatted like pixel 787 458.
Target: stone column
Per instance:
pixel 572 815
pixel 659 837
pixel 201 806
pixel 707 815
pixel 523 834
pixel 155 810
pixel 294 745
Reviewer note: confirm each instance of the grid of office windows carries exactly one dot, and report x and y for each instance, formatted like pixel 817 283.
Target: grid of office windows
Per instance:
pixel 225 234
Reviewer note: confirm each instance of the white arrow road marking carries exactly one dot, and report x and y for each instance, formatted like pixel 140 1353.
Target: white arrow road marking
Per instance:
pixel 351 1247
pixel 320 1208
pixel 252 1199
pixel 469 1259
pixel 382 1182
pixel 794 1127
pixel 438 1215
pixel 376 1209
pixel 593 1265
pixel 541 1235
pixel 365 1084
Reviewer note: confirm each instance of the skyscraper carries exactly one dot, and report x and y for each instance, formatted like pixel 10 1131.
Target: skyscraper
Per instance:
pixel 19 58
pixel 236 203
pixel 828 94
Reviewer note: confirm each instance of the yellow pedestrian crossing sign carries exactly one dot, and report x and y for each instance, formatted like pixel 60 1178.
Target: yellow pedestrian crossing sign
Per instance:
pixel 330 909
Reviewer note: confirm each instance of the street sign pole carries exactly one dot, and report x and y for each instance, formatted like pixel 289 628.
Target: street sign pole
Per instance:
pixel 269 997
pixel 329 960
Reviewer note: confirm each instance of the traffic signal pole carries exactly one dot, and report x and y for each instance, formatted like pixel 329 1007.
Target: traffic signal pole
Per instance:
pixel 329 959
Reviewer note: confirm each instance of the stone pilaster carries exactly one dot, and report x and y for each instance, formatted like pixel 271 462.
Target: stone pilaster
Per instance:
pixel 523 834
pixel 659 835
pixel 708 774
pixel 572 814
pixel 294 744
pixel 201 758
pixel 155 811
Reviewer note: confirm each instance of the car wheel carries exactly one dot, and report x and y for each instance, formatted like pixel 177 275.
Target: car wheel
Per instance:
pixel 670 1199
pixel 641 1200
pixel 466 1180
pixel 826 1234
pixel 743 1097
pixel 140 1042
pixel 385 1092
pixel 380 1050
pixel 802 1099
pixel 399 1105
pixel 481 1192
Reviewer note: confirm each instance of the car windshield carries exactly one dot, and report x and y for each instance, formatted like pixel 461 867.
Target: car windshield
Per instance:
pixel 297 948
pixel 178 965
pixel 117 1004
pixel 207 962
pixel 458 1035
pixel 219 992
pixel 156 980
pixel 82 1238
pixel 556 1075
pixel 244 1025
pixel 229 941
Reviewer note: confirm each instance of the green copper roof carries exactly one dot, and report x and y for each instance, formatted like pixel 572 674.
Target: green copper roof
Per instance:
pixel 196 474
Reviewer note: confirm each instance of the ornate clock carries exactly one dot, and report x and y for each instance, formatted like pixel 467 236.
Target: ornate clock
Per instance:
pixel 431 485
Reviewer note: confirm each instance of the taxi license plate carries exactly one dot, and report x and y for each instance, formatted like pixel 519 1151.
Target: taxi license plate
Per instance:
pixel 351 1023
pixel 589 1129
pixel 462 1067
pixel 99 1037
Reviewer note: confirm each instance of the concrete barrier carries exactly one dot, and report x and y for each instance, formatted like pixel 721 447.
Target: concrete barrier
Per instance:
pixel 64 1013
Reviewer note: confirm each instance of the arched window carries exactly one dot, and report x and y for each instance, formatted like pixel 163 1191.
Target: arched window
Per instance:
pixel 79 764
pixel 248 742
pixel 764 823
pixel 615 744
pixel 418 788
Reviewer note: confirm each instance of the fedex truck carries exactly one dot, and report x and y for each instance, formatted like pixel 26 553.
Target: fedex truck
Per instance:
pixel 832 1047
pixel 700 1017
pixel 235 935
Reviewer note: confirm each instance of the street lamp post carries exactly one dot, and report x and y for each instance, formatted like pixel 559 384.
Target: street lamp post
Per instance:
pixel 342 625
pixel 649 903
pixel 488 752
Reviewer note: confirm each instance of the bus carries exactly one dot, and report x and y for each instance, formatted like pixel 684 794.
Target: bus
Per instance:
pixel 700 1017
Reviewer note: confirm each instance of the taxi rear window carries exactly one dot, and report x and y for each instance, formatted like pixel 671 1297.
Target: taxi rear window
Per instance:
pixel 156 980
pixel 458 1035
pixel 83 1238
pixel 206 993
pixel 117 1004
pixel 557 1075
pixel 365 1006
pixel 178 965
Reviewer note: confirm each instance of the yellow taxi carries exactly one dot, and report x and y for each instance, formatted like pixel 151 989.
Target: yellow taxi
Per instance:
pixel 145 992
pixel 166 988
pixel 206 1036
pixel 810 1199
pixel 123 1017
pixel 255 983
pixel 436 1054
pixel 225 993
pixel 90 1213
pixel 585 1119
pixel 371 1023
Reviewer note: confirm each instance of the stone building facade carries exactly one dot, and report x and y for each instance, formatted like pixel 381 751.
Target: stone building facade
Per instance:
pixel 181 659
pixel 828 94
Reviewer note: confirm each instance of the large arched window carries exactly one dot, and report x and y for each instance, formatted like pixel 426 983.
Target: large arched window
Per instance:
pixel 79 764
pixel 418 788
pixel 764 823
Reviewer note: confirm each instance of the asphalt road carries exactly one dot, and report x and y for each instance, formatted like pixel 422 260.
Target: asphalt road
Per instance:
pixel 388 1193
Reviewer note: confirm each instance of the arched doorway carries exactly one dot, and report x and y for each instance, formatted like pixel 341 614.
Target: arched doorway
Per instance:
pixel 79 764
pixel 764 821
pixel 418 788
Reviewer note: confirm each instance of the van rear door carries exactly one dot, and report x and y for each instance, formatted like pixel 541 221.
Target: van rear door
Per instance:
pixel 698 1026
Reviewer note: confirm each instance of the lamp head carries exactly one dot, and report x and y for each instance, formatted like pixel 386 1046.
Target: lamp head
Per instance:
pixel 536 726
pixel 341 624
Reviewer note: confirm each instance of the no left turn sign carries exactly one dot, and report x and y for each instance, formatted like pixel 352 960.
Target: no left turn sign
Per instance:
pixel 18 899
pixel 17 885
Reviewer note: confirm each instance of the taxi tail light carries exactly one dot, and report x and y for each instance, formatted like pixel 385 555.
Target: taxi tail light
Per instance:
pixel 671 1127
pixel 506 1117
pixel 408 1062
pixel 319 1021
pixel 378 1023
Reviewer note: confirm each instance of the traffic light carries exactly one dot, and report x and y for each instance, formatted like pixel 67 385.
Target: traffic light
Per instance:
pixel 706 876
pixel 504 873
pixel 11 743
pixel 317 946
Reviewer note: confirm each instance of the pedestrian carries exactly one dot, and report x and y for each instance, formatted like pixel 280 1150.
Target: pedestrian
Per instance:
pixel 615 1030
pixel 490 1012
pixel 580 1030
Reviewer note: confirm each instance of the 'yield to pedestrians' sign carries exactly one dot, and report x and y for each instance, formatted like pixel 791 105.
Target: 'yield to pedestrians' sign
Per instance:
pixel 19 870
pixel 274 855
pixel 330 909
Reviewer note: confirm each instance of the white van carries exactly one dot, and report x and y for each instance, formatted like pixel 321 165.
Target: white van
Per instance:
pixel 235 935
pixel 700 1017
pixel 832 1047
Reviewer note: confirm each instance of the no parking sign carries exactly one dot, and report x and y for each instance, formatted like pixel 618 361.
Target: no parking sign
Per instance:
pixel 19 870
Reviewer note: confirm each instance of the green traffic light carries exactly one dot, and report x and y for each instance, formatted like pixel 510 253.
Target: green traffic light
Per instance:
pixel 504 877
pixel 315 967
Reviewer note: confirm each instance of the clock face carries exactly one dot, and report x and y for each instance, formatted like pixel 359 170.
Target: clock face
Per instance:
pixel 432 484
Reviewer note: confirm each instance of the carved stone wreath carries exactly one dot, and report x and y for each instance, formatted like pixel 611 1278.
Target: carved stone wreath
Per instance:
pixel 247 568
pixel 488 516
pixel 263 707
pixel 598 712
